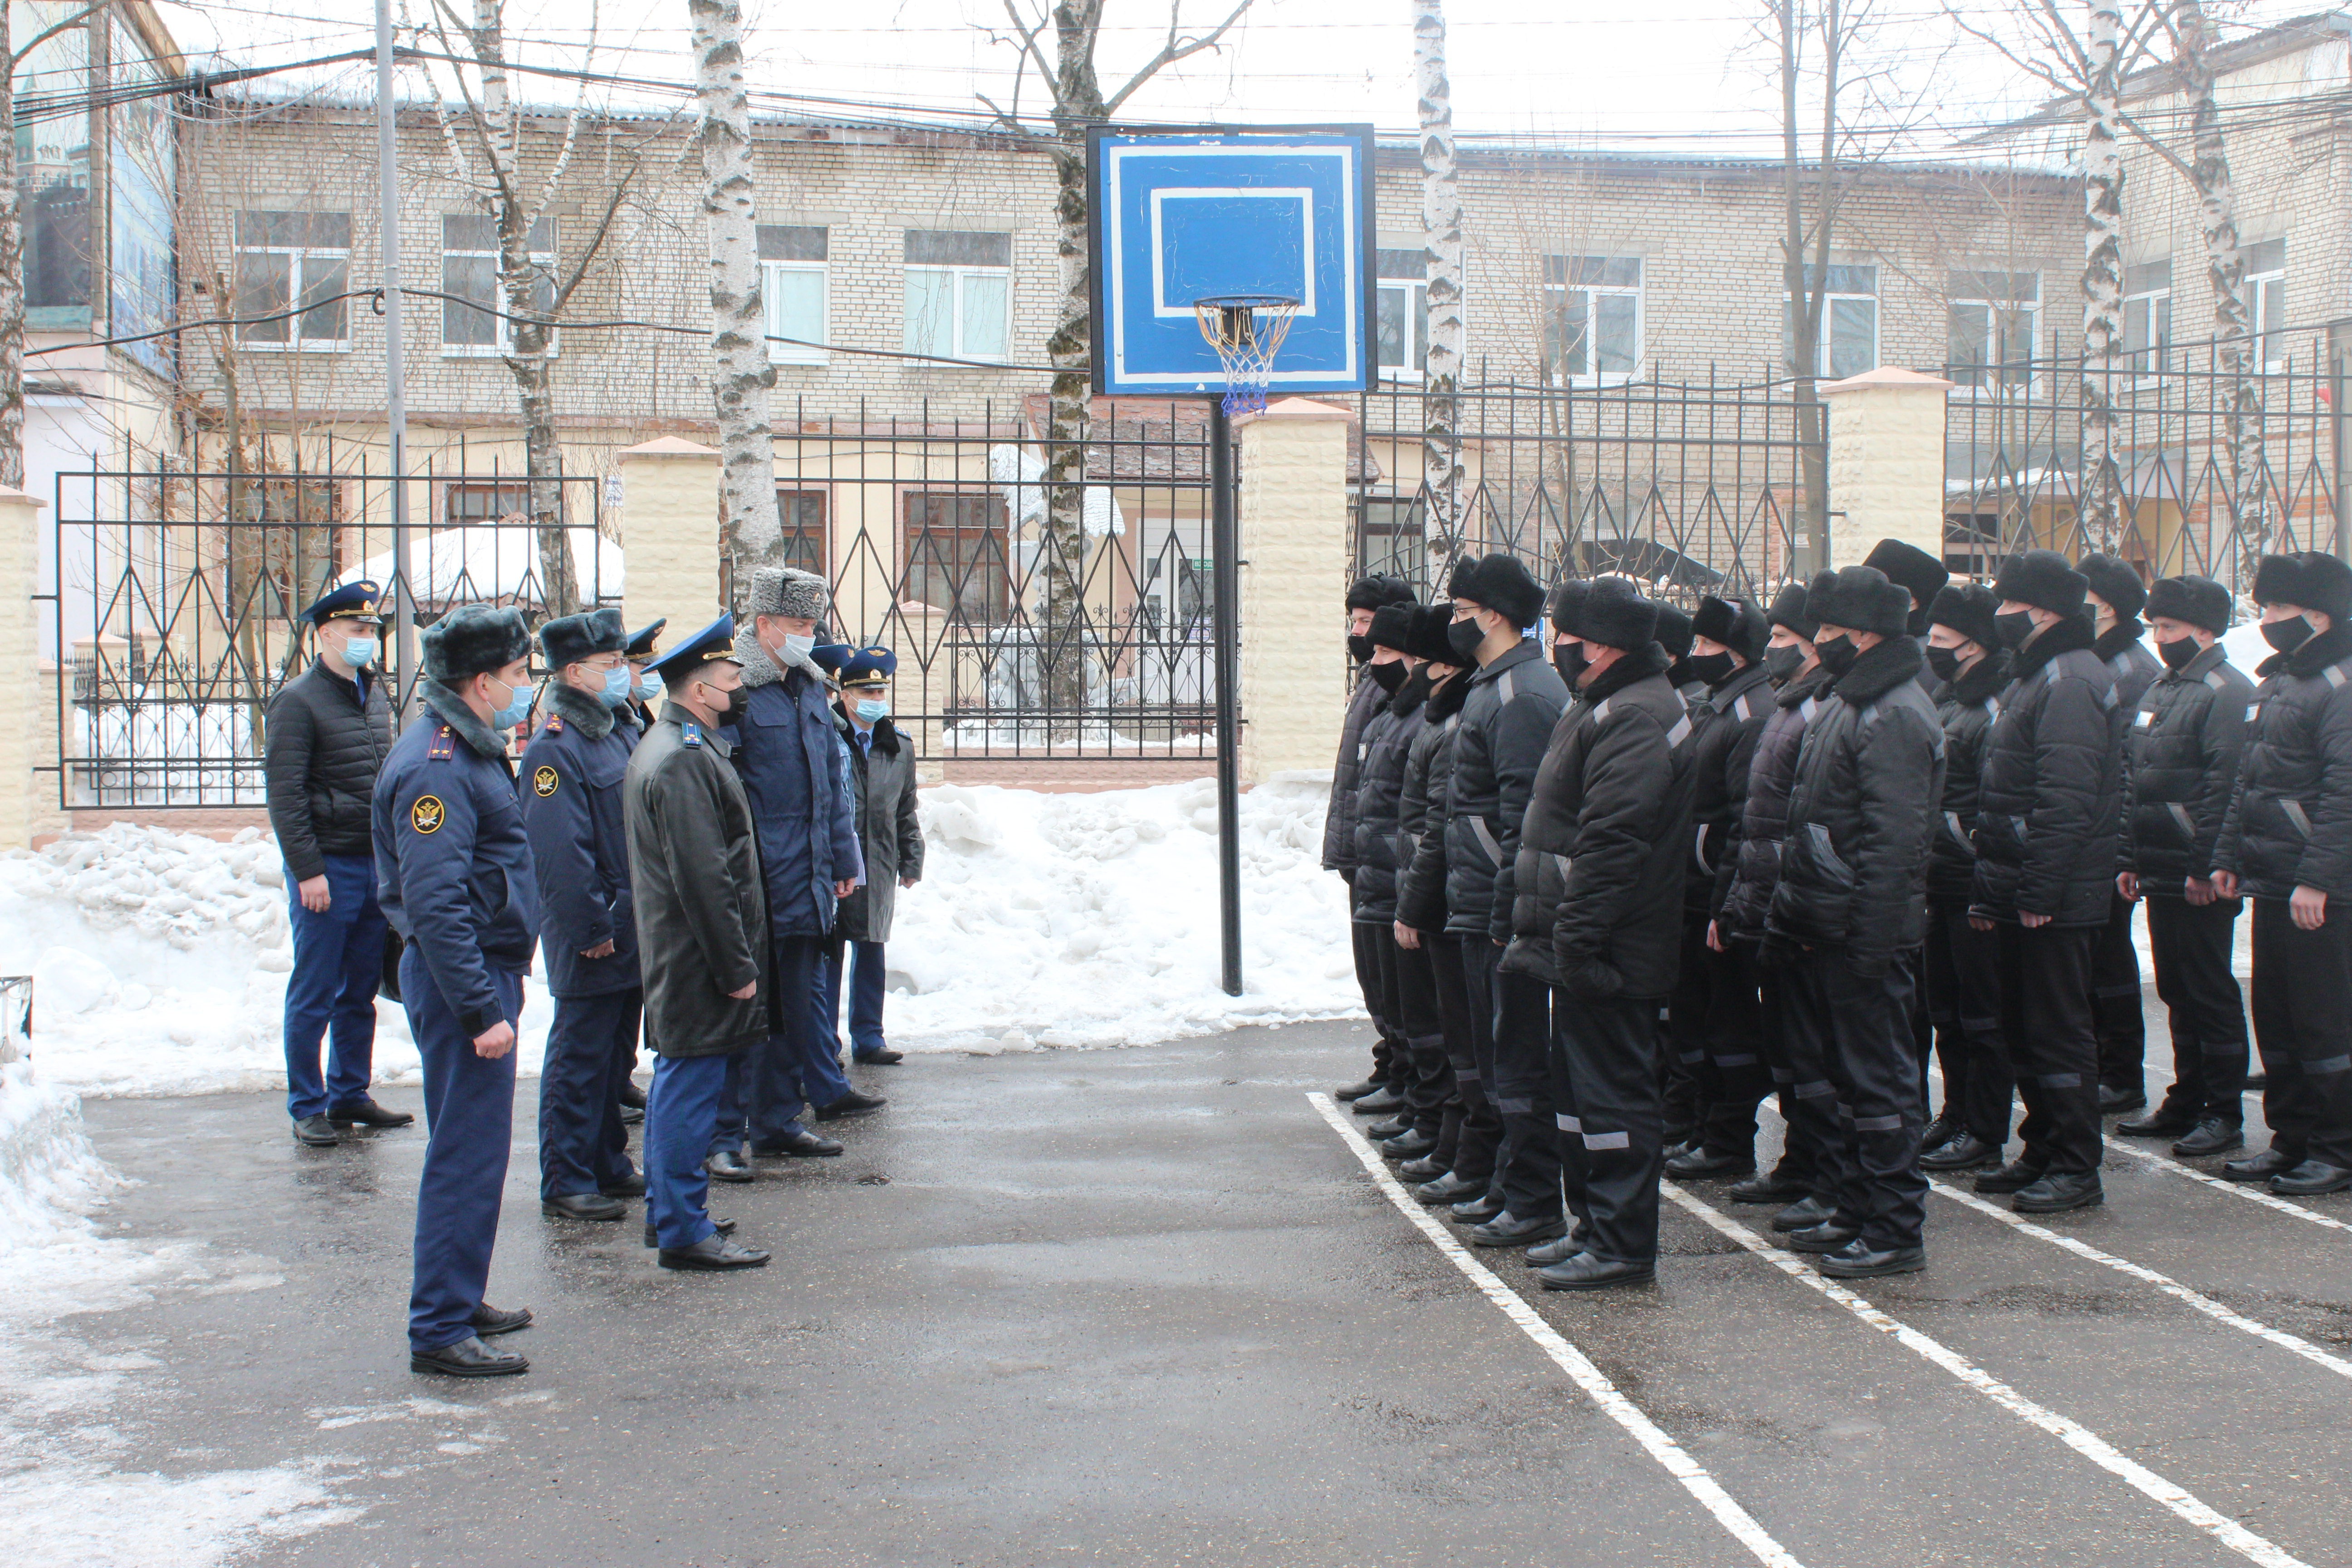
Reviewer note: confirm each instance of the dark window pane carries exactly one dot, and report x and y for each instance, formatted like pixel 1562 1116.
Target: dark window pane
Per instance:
pixel 1565 333
pixel 469 277
pixel 958 248
pixel 955 555
pixel 2270 255
pixel 479 503
pixel 1854 337
pixel 1407 264
pixel 469 231
pixel 265 285
pixel 1616 333
pixel 802 515
pixel 326 317
pixel 2148 278
pixel 788 242
pixel 1389 328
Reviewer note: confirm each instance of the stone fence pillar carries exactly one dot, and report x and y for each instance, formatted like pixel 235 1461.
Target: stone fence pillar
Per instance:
pixel 1887 462
pixel 27 734
pixel 1294 549
pixel 669 535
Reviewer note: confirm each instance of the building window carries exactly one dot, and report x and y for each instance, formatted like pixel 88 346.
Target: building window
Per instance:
pixel 1390 537
pixel 479 502
pixel 791 287
pixel 2148 315
pixel 958 294
pixel 956 554
pixel 800 513
pixel 2266 301
pixel 474 320
pixel 1593 317
pixel 1994 317
pixel 1401 321
pixel 294 261
pixel 1849 334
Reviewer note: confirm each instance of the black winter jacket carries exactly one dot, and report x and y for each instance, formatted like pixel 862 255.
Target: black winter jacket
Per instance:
pixel 1380 849
pixel 2290 822
pixel 1507 721
pixel 1606 840
pixel 1869 777
pixel 2046 810
pixel 324 749
pixel 889 835
pixel 1422 809
pixel 1744 884
pixel 1339 816
pixel 1965 708
pixel 2180 766
pixel 2129 660
pixel 1725 724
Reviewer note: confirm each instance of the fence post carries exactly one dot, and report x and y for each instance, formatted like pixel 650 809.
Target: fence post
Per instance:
pixel 1887 462
pixel 669 534
pixel 1294 553
pixel 24 727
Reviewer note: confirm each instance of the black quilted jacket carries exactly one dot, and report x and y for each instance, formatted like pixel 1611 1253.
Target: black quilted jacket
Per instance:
pixel 2290 822
pixel 319 759
pixel 1745 881
pixel 2180 766
pixel 2045 830
pixel 1421 810
pixel 1965 708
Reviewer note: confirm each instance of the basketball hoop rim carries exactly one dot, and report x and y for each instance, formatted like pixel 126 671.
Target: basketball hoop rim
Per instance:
pixel 1246 302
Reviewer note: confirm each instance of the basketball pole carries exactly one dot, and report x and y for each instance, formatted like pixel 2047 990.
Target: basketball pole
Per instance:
pixel 1224 575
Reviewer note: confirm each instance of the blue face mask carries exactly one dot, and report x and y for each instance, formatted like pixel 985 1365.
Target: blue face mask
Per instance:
pixel 518 705
pixel 649 687
pixel 873 709
pixel 360 652
pixel 618 685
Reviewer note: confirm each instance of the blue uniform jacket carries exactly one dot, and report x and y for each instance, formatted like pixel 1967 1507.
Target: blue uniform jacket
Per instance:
pixel 571 798
pixel 452 865
pixel 792 770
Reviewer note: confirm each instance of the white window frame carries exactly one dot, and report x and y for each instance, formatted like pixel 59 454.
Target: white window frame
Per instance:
pixel 959 275
pixel 1993 309
pixel 299 257
pixel 498 306
pixel 2265 304
pixel 1824 366
pixel 2154 305
pixel 771 273
pixel 1555 300
pixel 1415 291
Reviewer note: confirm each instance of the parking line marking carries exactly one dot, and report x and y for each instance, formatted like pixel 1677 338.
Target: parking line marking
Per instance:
pixel 2075 1436
pixel 1573 1361
pixel 2236 1189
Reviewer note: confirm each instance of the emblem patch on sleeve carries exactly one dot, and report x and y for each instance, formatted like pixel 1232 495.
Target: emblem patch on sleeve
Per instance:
pixel 543 781
pixel 427 814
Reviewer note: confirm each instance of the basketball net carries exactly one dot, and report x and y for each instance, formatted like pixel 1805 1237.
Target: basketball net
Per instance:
pixel 1246 331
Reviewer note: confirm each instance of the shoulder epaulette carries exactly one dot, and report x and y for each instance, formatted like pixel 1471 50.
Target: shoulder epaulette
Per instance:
pixel 554 724
pixel 444 746
pixel 690 733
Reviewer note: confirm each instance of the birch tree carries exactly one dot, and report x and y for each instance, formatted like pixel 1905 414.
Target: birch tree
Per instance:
pixel 1441 227
pixel 12 241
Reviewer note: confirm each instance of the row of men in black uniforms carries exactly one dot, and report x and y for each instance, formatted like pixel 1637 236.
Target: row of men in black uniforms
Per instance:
pixel 1604 904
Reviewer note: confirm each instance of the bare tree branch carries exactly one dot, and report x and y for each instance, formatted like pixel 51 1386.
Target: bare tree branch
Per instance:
pixel 1174 49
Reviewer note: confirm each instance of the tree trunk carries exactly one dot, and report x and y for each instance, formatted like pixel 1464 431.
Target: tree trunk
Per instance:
pixel 1441 228
pixel 1056 589
pixel 2225 269
pixel 2103 278
pixel 1812 546
pixel 740 375
pixel 11 274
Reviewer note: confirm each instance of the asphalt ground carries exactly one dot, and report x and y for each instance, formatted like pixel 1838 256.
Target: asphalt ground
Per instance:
pixel 1151 1306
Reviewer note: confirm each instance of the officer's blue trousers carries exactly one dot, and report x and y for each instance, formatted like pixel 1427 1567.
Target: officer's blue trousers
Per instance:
pixel 469 1117
pixel 338 963
pixel 792 1068
pixel 583 1146
pixel 868 973
pixel 681 1114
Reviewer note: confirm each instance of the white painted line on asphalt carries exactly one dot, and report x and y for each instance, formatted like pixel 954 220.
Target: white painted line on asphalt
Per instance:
pixel 2169 1286
pixel 2252 1195
pixel 2075 1436
pixel 1573 1361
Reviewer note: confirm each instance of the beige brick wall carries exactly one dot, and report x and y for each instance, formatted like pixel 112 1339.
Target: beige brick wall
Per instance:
pixel 1887 462
pixel 1293 525
pixel 28 735
pixel 670 508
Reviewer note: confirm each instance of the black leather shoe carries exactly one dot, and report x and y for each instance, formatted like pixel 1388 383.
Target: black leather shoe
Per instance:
pixel 1940 1131
pixel 488 1319
pixel 470 1357
pixel 2164 1122
pixel 2310 1177
pixel 2010 1178
pixel 631 1187
pixel 633 1116
pixel 368 1113
pixel 2112 1100
pixel 2259 1167
pixel 2057 1193
pixel 801 1145
pixel 1803 1215
pixel 632 1097
pixel 724 1228
pixel 1380 1131
pixel 1771 1187
pixel 1960 1151
pixel 1410 1145
pixel 316 1133
pixel 1703 1164
pixel 712 1253
pixel 2213 1136
pixel 1356 1091
pixel 1507 1229
pixel 851 1104
pixel 1586 1272
pixel 729 1166
pixel 1477 1210
pixel 1381 1101
pixel 1425 1168
pixel 1855 1261
pixel 1826 1237
pixel 1560 1248
pixel 1449 1188
pixel 885 1058
pixel 582 1205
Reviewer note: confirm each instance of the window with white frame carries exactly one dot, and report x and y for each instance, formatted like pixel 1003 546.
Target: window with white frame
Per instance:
pixel 294 261
pixel 1400 317
pixel 958 294
pixel 1848 344
pixel 2266 301
pixel 1593 317
pixel 2148 315
pixel 474 318
pixel 791 290
pixel 1993 320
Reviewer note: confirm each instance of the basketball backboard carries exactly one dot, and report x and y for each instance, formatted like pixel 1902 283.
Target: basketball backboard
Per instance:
pixel 1182 215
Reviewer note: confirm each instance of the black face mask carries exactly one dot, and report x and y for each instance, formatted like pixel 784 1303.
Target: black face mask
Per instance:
pixel 2177 653
pixel 1463 638
pixel 2013 626
pixel 1568 658
pixel 1783 662
pixel 2287 636
pixel 1390 675
pixel 1360 647
pixel 1837 654
pixel 1715 669
pixel 726 707
pixel 1944 661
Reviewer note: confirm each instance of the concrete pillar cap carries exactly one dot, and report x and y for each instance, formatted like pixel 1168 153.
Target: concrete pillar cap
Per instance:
pixel 667 447
pixel 9 492
pixel 1885 378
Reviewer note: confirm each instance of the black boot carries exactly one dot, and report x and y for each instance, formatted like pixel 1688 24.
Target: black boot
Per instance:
pixel 2055 1194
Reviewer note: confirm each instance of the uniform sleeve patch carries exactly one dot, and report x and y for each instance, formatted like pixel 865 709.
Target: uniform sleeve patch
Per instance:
pixel 426 816
pixel 543 782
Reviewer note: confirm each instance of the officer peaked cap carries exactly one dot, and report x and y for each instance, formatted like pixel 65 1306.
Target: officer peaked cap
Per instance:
pixel 351 601
pixel 640 644
pixel 684 662
pixel 851 665
pixel 568 639
pixel 473 639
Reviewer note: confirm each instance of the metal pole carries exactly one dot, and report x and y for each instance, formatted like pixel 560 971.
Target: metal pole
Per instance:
pixel 2340 383
pixel 395 397
pixel 1225 576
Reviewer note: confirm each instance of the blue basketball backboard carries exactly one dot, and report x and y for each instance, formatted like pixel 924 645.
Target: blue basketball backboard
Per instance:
pixel 1180 216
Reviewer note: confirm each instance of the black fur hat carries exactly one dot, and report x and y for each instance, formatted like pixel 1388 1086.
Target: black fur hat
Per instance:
pixel 1427 639
pixel 1863 599
pixel 1673 630
pixel 1392 626
pixel 2042 579
pixel 1566 602
pixel 1371 592
pixel 1789 610
pixel 1735 623
pixel 1817 593
pixel 2115 582
pixel 1969 609
pixel 1921 575
pixel 472 640
pixel 2200 601
pixel 1499 584
pixel 1616 615
pixel 2307 580
pixel 568 639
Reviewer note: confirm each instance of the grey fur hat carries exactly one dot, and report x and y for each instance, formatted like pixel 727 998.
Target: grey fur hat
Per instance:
pixel 472 640
pixel 788 591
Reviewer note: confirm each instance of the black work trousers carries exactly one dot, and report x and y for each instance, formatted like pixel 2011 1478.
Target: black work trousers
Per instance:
pixel 1869 1052
pixel 2302 1022
pixel 1526 1167
pixel 1608 1108
pixel 2115 1000
pixel 2045 1018
pixel 1715 1014
pixel 1689 1076
pixel 1482 1127
pixel 1365 940
pixel 1428 1094
pixel 1801 1124
pixel 1963 985
pixel 1799 1040
pixel 2191 944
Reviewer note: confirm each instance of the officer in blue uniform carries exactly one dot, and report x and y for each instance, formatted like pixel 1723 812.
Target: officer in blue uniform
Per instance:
pixel 571 796
pixel 645 683
pixel 454 873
